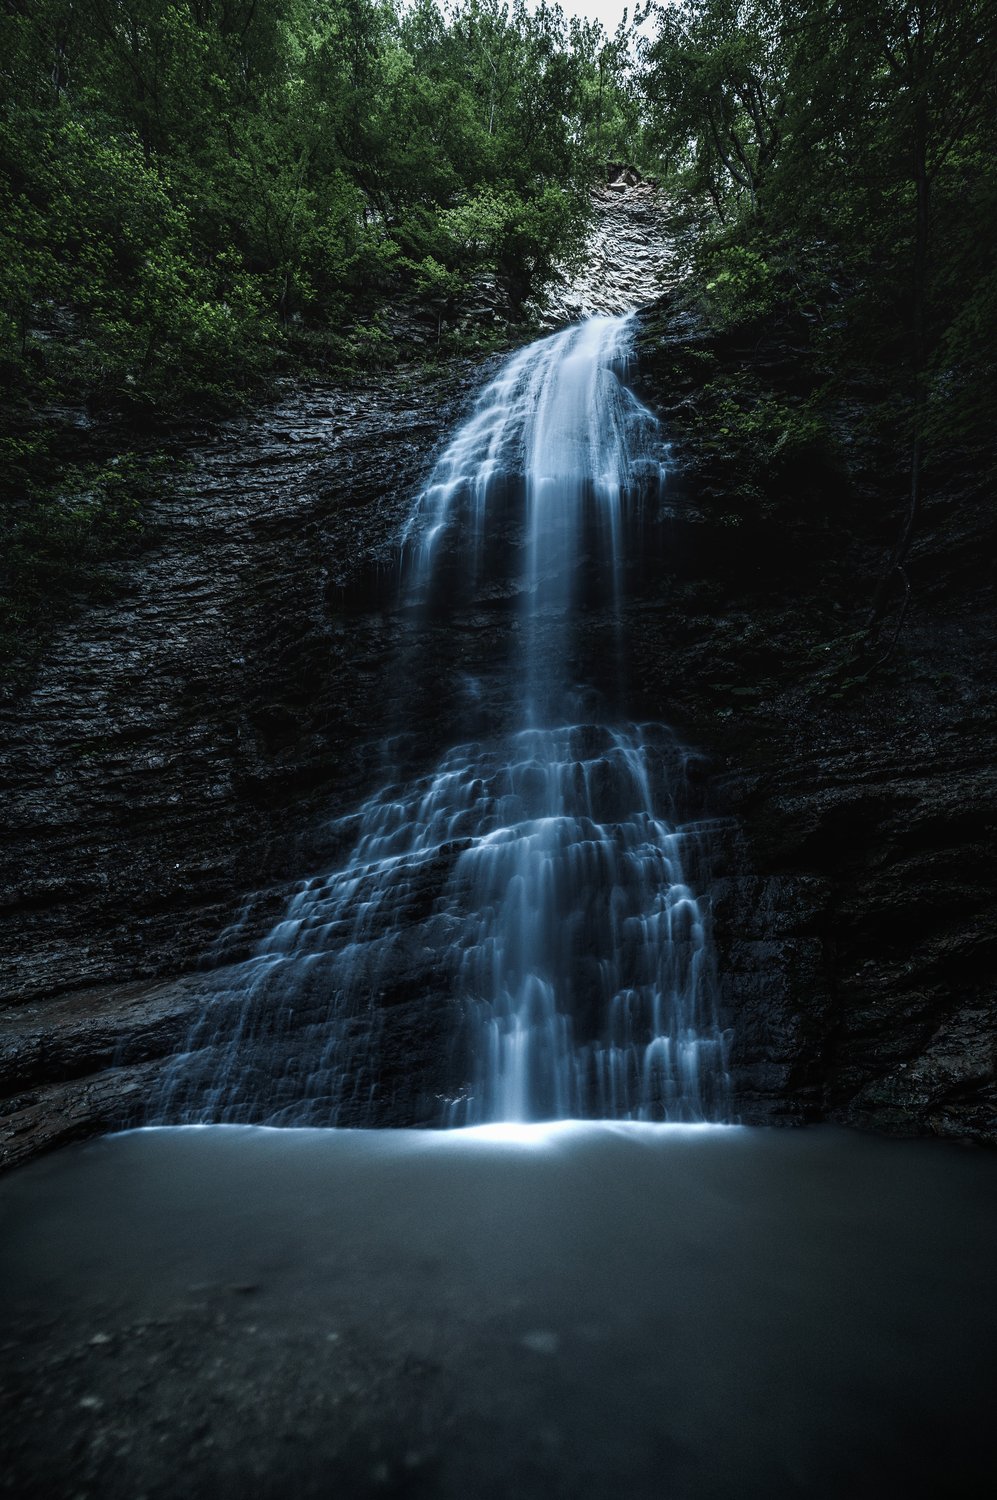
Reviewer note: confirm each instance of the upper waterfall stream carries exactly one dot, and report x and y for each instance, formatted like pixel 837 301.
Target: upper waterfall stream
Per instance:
pixel 544 873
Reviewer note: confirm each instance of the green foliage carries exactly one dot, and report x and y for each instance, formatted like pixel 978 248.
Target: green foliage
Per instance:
pixel 184 182
pixel 195 193
pixel 755 439
pixel 58 540
pixel 839 161
pixel 716 80
pixel 739 285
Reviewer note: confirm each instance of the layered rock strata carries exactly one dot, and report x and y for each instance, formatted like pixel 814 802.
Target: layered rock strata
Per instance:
pixel 193 738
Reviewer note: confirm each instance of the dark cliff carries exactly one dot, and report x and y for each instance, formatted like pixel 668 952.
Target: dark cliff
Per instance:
pixel 186 743
pixel 858 935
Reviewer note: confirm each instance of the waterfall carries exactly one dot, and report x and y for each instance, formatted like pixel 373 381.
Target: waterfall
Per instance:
pixel 537 885
pixel 572 439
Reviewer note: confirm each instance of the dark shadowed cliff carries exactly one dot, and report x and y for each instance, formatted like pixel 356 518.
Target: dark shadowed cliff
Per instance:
pixel 185 744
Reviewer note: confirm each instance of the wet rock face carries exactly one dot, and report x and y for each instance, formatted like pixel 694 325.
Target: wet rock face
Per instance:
pixel 856 924
pixel 630 258
pixel 231 675
pixel 193 739
pixel 190 741
pixel 867 992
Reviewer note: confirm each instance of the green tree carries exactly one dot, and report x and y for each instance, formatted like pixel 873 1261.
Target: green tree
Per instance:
pixel 840 156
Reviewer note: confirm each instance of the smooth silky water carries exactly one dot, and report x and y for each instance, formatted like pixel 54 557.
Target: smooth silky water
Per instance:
pixel 548 871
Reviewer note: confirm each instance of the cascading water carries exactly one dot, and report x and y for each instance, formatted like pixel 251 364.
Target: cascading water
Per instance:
pixel 538 881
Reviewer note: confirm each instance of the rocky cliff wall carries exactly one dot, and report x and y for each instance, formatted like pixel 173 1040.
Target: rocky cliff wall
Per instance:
pixel 858 932
pixel 630 259
pixel 188 742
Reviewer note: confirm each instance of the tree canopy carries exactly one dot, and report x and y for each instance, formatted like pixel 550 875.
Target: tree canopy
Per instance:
pixel 184 180
pixel 840 158
pixel 195 193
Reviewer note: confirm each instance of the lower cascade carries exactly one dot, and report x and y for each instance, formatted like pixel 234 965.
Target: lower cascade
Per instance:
pixel 539 884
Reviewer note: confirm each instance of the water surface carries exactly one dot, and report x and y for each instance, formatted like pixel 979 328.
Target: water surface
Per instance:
pixel 565 1310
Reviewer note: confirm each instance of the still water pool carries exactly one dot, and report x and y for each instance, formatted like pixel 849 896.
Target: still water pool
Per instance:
pixel 576 1310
